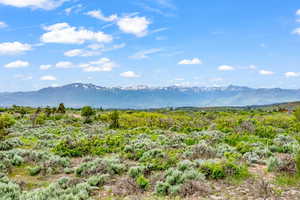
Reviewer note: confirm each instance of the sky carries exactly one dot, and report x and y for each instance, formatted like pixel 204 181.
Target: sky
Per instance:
pixel 149 42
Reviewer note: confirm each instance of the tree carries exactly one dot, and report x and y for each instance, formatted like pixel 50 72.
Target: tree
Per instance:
pixel 22 111
pixel 87 112
pixel 6 121
pixel 114 117
pixel 297 113
pixel 61 109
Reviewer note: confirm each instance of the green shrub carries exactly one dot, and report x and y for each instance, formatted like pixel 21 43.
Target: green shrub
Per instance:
pixel 6 121
pixel 114 118
pixel 87 112
pixel 142 182
pixel 136 171
pixel 33 171
pixel 98 180
pixel 297 114
pixel 272 164
pixel 223 169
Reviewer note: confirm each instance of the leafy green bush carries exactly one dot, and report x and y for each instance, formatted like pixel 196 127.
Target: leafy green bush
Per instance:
pixel 114 118
pixel 6 121
pixel 142 182
pixel 33 171
pixel 297 114
pixel 87 112
pixel 222 169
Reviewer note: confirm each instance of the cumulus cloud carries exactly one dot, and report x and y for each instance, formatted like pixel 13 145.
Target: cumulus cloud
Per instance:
pixel 266 72
pixel 48 78
pixel 12 48
pixel 129 74
pixel 298 12
pixel 98 15
pixel 145 54
pixel 194 61
pixel 292 74
pixel 226 68
pixel 64 65
pixel 101 65
pixel 17 64
pixel 65 34
pixel 134 25
pixel 296 31
pixel 3 24
pixel 130 24
pixel 42 4
pixel 45 67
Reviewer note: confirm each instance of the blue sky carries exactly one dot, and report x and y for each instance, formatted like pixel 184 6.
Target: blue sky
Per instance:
pixel 149 42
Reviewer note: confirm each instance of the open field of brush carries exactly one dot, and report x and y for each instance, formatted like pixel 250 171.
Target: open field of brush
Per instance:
pixel 81 154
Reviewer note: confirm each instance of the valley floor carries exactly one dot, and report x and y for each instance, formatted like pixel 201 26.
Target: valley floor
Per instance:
pixel 164 154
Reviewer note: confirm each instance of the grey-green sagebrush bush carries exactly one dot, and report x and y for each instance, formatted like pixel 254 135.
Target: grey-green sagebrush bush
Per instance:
pixel 176 177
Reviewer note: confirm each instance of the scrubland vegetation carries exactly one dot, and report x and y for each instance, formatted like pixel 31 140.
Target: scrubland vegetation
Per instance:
pixel 72 154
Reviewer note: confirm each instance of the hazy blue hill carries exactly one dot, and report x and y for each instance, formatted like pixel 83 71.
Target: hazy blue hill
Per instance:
pixel 77 95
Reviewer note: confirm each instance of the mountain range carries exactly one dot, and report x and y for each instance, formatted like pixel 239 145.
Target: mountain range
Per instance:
pixel 141 97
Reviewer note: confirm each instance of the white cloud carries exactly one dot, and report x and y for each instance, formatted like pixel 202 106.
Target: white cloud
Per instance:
pixel 298 12
pixel 17 64
pixel 45 67
pixel 3 24
pixel 96 46
pixel 115 47
pixel 65 34
pixel 296 31
pixel 12 48
pixel 99 15
pixel 194 61
pixel 81 52
pixel 76 9
pixel 43 4
pixel 253 67
pixel 134 25
pixel 145 54
pixel 166 4
pixel 101 65
pixel 266 72
pixel 130 24
pixel 129 74
pixel 64 65
pixel 48 78
pixel 226 68
pixel 292 74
